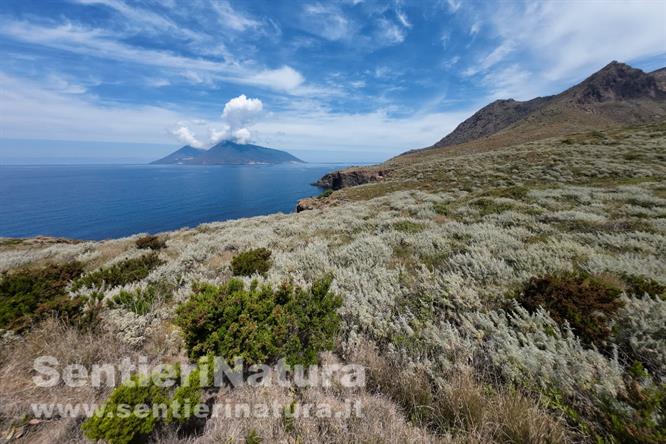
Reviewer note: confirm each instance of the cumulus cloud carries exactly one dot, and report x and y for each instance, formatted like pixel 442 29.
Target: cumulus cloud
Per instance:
pixel 240 110
pixel 238 114
pixel 185 135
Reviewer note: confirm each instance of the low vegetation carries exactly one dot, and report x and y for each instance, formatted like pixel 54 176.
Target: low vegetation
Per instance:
pixel 248 263
pixel 141 300
pixel 175 403
pixel 150 243
pixel 514 295
pixel 587 303
pixel 123 273
pixel 30 294
pixel 260 324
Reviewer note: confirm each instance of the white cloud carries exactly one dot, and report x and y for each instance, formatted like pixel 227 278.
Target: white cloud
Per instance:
pixel 572 39
pixel 403 18
pixel 145 19
pixel 32 110
pixel 233 19
pixel 216 134
pixel 389 33
pixel 240 111
pixel 475 28
pixel 454 5
pixel 242 135
pixel 285 78
pixel 185 135
pixel 327 21
pixel 99 43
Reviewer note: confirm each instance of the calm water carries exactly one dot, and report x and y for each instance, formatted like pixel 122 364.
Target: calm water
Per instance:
pixel 98 202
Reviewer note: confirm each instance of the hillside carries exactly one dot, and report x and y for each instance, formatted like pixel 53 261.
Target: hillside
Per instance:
pixel 227 153
pixel 430 264
pixel 615 95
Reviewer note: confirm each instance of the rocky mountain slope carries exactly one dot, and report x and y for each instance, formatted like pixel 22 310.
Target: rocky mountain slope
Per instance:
pixel 227 153
pixel 617 94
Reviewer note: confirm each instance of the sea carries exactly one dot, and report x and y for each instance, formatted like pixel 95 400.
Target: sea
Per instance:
pixel 96 202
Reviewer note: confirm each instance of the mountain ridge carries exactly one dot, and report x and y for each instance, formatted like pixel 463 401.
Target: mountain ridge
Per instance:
pixel 617 93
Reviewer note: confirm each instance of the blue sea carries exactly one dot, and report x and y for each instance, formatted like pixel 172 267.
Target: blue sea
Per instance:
pixel 107 201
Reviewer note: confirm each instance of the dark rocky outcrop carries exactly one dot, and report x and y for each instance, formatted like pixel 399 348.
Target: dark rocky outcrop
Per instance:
pixel 349 178
pixel 616 81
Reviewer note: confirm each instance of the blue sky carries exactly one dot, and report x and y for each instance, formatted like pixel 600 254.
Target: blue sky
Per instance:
pixel 346 80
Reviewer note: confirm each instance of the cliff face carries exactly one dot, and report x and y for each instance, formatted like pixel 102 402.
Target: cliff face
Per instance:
pixel 349 178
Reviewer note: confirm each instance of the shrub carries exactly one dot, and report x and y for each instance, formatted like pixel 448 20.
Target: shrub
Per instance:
pixel 123 273
pixel 150 242
pixel 259 324
pixel 586 302
pixel 407 226
pixel 109 425
pixel 26 292
pixel 251 262
pixel 118 422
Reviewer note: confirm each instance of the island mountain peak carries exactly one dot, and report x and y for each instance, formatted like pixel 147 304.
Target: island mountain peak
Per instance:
pixel 227 152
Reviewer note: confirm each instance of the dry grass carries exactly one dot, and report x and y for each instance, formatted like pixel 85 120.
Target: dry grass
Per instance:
pixel 459 406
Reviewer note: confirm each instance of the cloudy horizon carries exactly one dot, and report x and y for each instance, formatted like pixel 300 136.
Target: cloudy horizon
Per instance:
pixel 347 80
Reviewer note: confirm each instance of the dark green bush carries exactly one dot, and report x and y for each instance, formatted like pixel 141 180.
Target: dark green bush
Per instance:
pixel 251 262
pixel 123 273
pixel 150 242
pixel 259 324
pixel 27 292
pixel 108 425
pixel 587 302
pixel 113 423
